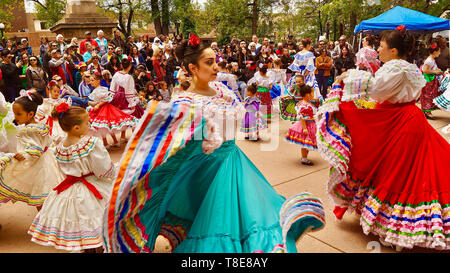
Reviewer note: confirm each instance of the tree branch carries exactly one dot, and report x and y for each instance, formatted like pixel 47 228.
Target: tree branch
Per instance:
pixel 38 2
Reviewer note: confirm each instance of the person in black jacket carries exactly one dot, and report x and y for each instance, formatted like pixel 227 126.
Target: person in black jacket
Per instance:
pixel 117 41
pixel 345 61
pixel 10 74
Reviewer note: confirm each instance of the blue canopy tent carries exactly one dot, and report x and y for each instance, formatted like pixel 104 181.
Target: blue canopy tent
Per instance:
pixel 415 22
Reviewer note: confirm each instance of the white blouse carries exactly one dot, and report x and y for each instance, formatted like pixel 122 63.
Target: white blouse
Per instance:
pixel 397 81
pixel 87 156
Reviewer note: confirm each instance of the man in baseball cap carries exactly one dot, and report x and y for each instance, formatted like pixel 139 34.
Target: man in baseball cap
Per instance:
pixel 88 39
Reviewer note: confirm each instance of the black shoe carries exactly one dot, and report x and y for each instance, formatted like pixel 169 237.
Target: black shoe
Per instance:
pixel 247 137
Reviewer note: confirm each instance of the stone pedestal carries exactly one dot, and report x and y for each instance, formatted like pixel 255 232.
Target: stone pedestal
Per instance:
pixel 81 16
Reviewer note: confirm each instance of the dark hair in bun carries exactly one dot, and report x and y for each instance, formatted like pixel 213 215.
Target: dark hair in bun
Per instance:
pixel 30 105
pixel 73 116
pixel 188 54
pixel 252 88
pixel 223 64
pixel 125 63
pixel 401 40
pixel 370 40
pixel 305 89
pixel 264 68
pixel 306 42
pixel 433 48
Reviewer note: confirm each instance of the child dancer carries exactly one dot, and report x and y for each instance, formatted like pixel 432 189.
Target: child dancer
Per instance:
pixel 104 117
pixel 303 132
pixel 34 171
pixel 44 111
pixel 288 103
pixel 263 91
pixel 253 121
pixel 71 217
pixel 165 93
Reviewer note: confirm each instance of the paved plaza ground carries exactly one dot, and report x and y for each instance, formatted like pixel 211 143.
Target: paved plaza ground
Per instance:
pixel 281 167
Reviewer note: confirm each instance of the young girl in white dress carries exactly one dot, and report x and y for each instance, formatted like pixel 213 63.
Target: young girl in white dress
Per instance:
pixel 71 217
pixel 34 171
pixel 44 111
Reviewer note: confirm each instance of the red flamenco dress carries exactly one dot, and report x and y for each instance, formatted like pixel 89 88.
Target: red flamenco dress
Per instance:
pixel 388 164
pixel 108 118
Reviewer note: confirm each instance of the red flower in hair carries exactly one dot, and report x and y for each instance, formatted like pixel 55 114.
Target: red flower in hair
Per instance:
pixel 433 46
pixel 307 39
pixel 62 108
pixel 52 83
pixel 401 28
pixel 194 40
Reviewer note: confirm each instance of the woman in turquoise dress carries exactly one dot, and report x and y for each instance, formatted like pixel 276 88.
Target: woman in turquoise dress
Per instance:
pixel 183 177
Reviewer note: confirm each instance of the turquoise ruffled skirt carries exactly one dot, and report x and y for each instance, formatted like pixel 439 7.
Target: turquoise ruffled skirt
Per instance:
pixel 219 203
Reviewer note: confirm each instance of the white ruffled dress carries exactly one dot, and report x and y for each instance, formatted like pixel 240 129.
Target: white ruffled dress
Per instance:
pixel 32 179
pixel 44 115
pixel 72 219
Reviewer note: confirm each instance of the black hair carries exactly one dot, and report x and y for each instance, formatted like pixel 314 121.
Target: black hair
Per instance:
pixel 263 69
pixel 305 89
pixel 433 48
pixel 401 40
pixel 125 63
pixel 189 54
pixel 223 64
pixel 252 88
pixel 306 42
pixel 370 40
pixel 30 105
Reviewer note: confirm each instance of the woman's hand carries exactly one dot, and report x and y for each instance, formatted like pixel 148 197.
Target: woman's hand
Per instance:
pixel 305 131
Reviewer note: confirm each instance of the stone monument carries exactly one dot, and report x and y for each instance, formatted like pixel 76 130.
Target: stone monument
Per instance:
pixel 81 16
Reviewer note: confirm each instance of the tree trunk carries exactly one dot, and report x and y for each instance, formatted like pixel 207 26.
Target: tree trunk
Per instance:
pixel 156 16
pixel 352 23
pixel 328 31
pixel 255 13
pixel 165 17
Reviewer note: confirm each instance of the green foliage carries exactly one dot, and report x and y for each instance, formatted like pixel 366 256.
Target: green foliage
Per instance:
pixel 300 18
pixel 50 11
pixel 6 16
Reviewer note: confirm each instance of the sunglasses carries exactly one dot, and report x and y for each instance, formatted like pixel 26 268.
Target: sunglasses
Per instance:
pixel 86 76
pixel 32 60
pixel 60 79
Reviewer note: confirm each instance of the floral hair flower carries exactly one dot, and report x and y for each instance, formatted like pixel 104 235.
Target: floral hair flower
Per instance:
pixel 62 108
pixel 194 40
pixel 52 83
pixel 433 46
pixel 402 29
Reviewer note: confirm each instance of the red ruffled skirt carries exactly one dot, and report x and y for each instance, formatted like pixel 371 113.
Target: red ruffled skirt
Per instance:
pixel 263 94
pixel 429 92
pixel 110 119
pixel 398 176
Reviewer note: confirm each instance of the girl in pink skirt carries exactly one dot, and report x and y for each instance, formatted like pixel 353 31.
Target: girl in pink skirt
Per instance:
pixel 303 132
